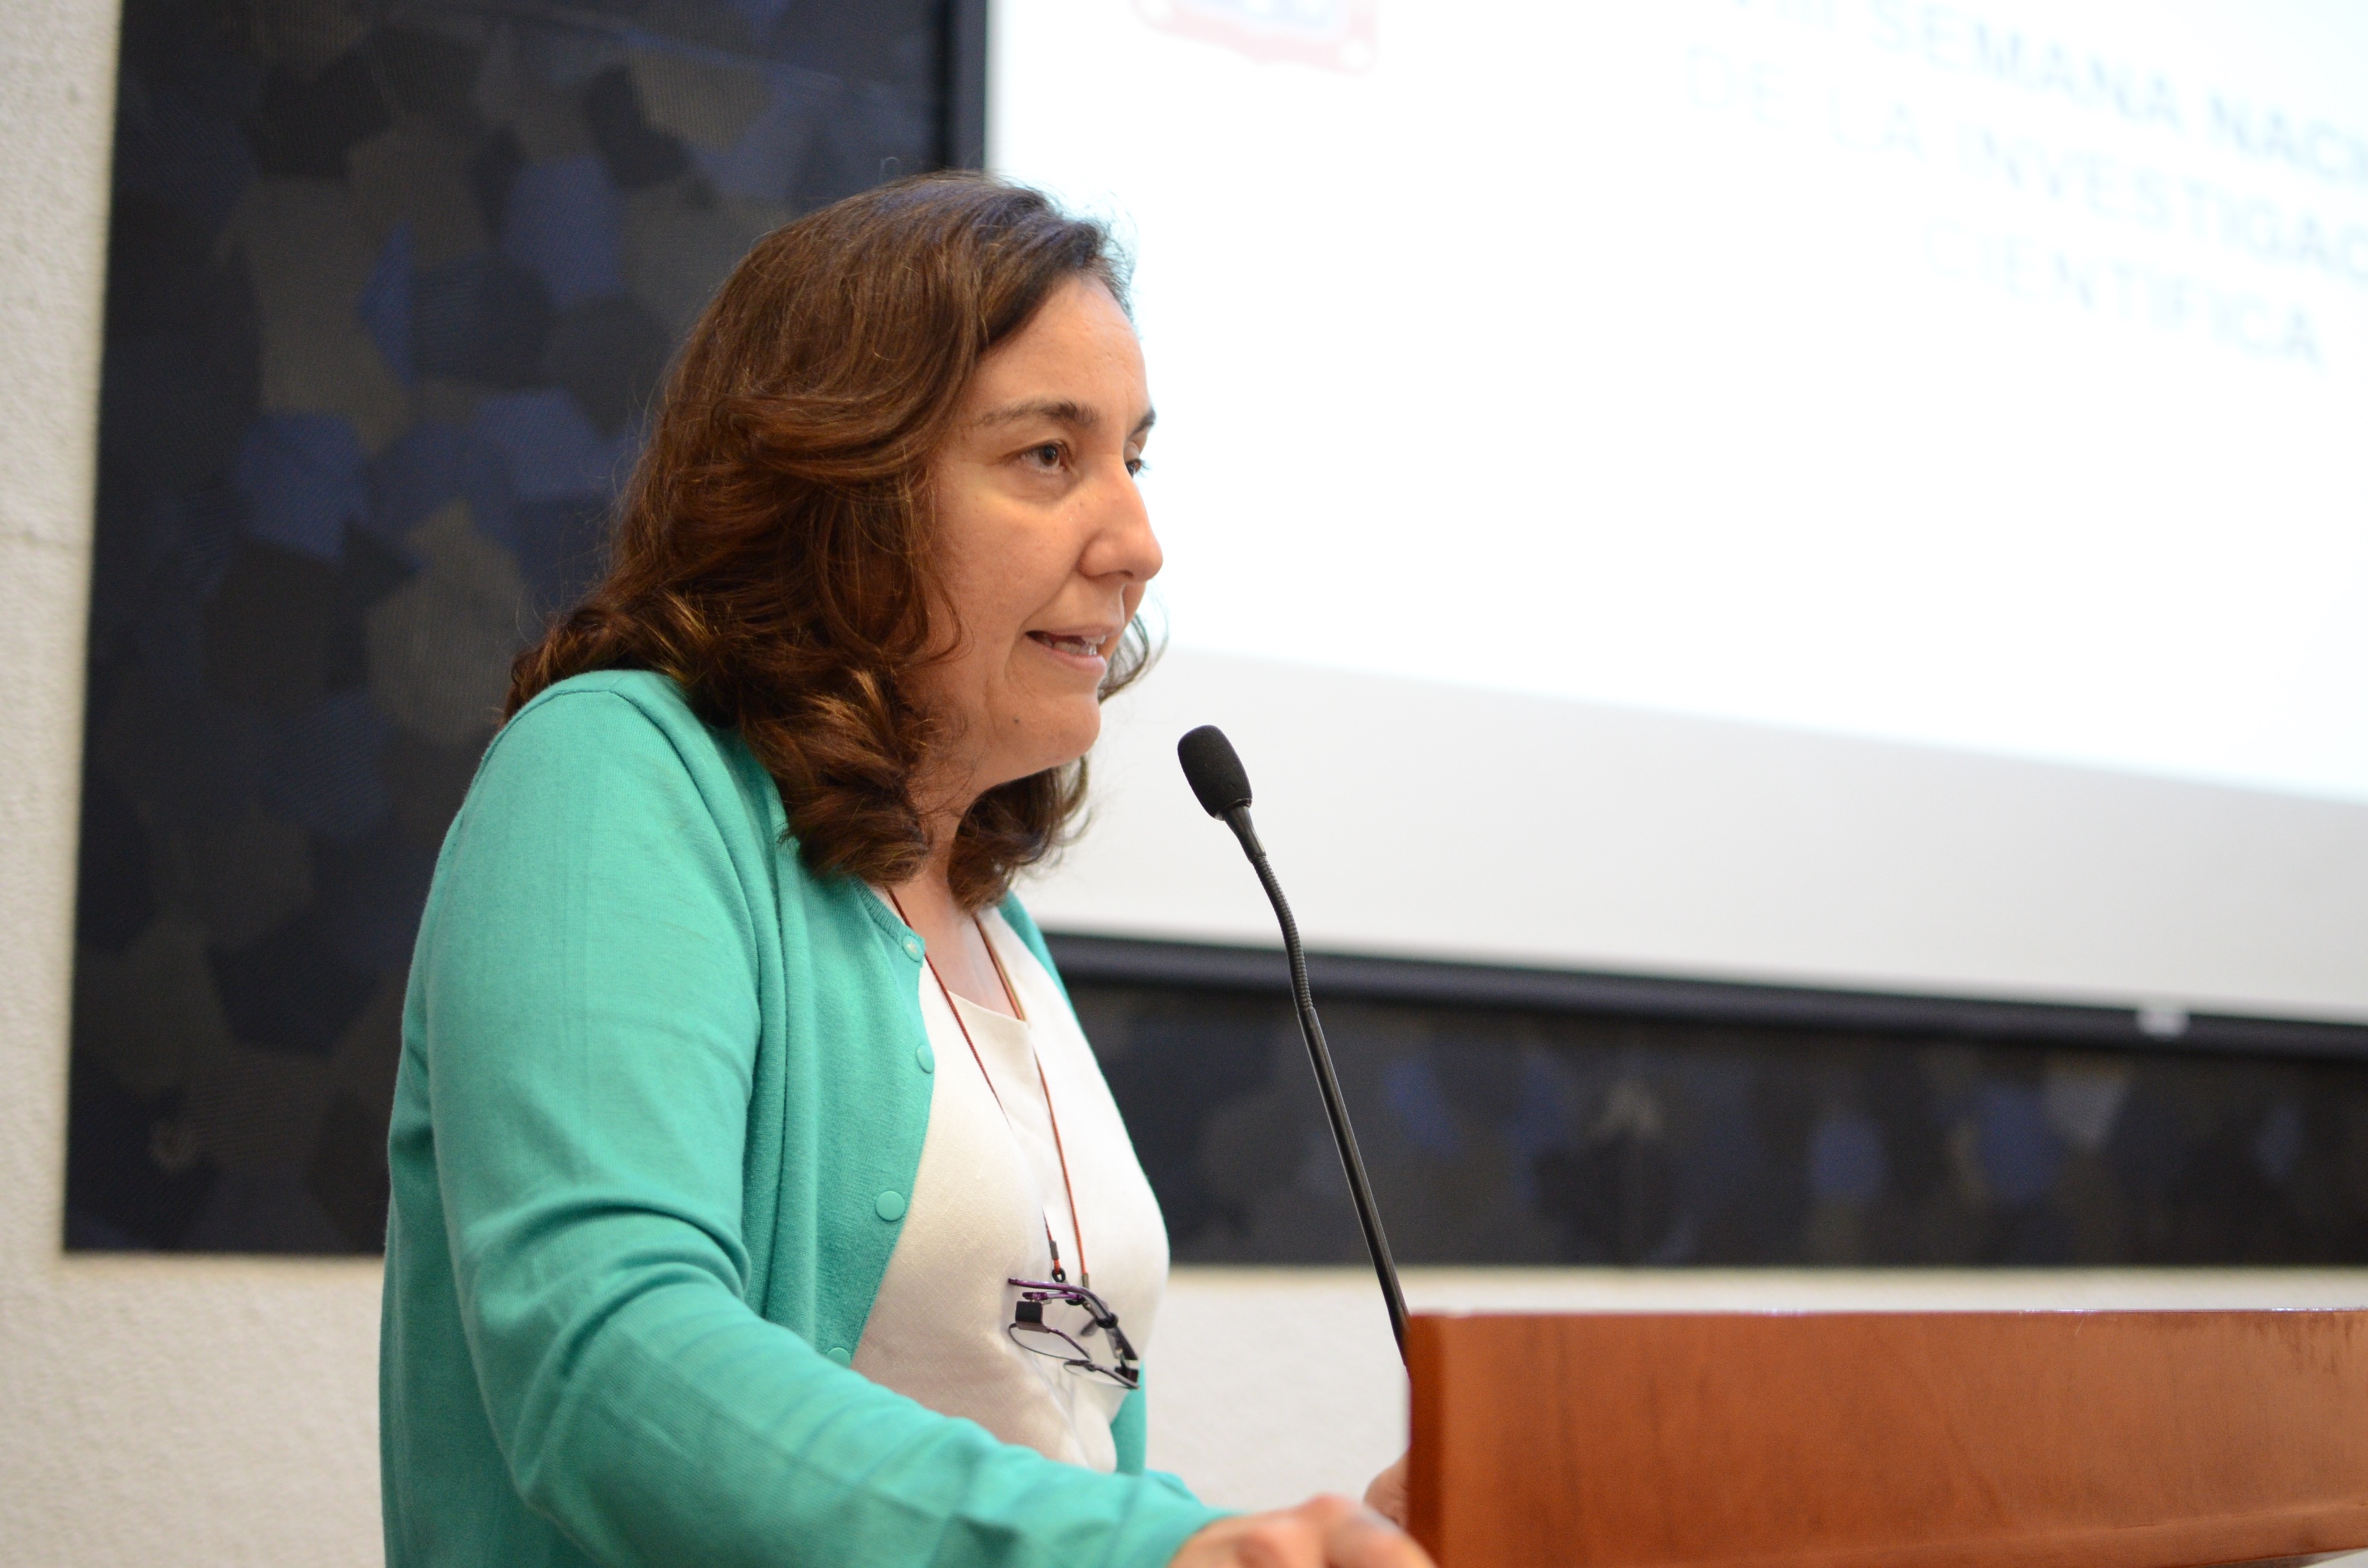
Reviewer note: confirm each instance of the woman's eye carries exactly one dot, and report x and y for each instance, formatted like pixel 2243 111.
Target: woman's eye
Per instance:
pixel 1049 455
pixel 1135 466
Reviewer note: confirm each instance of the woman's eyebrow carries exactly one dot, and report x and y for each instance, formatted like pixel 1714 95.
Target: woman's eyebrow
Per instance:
pixel 1060 410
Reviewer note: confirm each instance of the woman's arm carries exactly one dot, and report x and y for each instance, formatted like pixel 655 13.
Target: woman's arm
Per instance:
pixel 588 1006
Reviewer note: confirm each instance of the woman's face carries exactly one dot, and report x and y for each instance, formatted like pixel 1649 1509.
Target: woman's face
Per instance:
pixel 1046 545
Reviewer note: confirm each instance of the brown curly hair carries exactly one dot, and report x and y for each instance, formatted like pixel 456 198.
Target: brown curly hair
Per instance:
pixel 771 550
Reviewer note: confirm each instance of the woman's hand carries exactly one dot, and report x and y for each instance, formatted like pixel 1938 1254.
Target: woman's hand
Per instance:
pixel 1323 1533
pixel 1387 1494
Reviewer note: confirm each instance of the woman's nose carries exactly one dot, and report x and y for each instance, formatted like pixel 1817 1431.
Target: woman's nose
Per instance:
pixel 1123 544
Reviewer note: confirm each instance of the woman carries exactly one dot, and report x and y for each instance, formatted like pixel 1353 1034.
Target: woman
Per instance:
pixel 744 1142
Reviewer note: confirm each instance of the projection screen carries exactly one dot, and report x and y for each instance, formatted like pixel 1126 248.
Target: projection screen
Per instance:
pixel 1847 493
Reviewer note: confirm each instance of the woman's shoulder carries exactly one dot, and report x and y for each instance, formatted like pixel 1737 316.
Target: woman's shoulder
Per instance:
pixel 655 699
pixel 627 730
pixel 585 717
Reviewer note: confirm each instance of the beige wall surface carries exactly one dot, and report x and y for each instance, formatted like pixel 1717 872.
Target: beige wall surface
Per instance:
pixel 205 1412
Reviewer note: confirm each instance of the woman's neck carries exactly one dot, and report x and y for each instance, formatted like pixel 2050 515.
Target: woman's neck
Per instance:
pixel 956 945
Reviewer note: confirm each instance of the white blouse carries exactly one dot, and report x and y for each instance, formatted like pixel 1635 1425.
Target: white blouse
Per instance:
pixel 986 1190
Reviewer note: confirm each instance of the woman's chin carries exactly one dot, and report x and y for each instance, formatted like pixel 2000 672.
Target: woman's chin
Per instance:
pixel 1058 738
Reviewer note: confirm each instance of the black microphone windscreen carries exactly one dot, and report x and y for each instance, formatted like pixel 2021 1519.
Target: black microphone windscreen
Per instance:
pixel 1215 774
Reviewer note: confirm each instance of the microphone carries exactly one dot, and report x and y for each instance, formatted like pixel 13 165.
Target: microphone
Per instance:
pixel 1223 787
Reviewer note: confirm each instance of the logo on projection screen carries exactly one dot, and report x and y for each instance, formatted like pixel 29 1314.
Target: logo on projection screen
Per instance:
pixel 1338 35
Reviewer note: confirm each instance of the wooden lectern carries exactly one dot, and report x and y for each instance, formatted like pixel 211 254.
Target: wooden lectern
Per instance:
pixel 2156 1439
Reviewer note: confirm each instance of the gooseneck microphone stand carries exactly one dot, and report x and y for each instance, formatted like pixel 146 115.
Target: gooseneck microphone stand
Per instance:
pixel 1223 787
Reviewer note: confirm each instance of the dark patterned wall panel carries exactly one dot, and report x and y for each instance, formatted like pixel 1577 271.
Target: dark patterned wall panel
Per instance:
pixel 389 287
pixel 1502 1137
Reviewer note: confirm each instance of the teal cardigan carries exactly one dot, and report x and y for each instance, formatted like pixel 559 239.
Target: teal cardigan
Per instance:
pixel 661 1105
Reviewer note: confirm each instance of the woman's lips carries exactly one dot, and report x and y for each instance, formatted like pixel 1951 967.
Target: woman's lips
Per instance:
pixel 1083 649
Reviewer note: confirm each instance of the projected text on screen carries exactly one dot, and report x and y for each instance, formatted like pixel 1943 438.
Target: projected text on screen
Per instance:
pixel 1982 377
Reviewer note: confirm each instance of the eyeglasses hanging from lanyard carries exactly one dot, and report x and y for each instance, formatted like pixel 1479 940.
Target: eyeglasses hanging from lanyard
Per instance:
pixel 1027 1329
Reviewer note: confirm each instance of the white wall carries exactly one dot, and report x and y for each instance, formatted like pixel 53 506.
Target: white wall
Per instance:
pixel 202 1411
pixel 198 1410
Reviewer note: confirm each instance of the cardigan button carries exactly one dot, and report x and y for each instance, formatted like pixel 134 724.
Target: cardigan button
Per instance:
pixel 924 1059
pixel 912 949
pixel 889 1206
pixel 838 1354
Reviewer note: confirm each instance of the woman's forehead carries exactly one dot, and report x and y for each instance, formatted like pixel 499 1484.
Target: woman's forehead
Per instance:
pixel 1076 362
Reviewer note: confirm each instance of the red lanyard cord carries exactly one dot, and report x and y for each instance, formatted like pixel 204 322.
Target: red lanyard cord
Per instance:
pixel 1077 1223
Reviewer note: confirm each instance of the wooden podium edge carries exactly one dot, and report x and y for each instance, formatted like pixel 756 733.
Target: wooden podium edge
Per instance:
pixel 2283 1538
pixel 1426 1414
pixel 2311 1537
